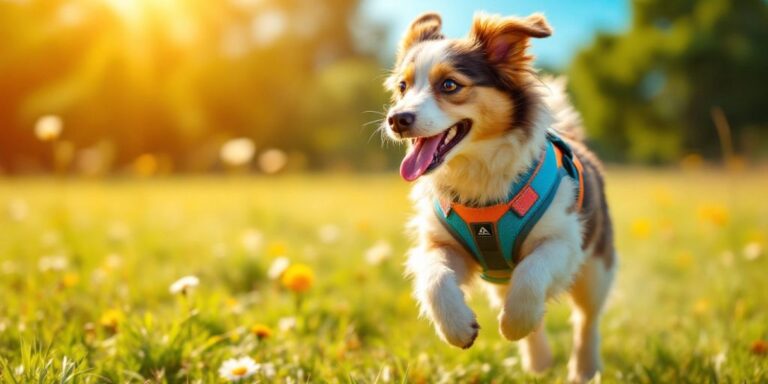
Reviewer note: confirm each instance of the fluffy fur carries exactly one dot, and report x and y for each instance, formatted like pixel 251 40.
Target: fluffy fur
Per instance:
pixel 510 110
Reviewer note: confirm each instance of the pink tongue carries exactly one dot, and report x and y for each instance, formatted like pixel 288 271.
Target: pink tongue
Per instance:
pixel 418 159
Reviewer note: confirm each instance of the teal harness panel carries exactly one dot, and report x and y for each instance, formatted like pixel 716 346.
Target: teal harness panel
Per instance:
pixel 494 234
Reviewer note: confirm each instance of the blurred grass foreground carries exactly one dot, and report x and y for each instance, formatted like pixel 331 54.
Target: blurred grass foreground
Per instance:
pixel 283 272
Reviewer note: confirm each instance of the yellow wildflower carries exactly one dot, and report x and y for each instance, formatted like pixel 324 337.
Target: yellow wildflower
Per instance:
pixel 70 279
pixel 261 331
pixel 684 260
pixel 701 306
pixel 714 213
pixel 363 225
pixel 277 249
pixel 641 228
pixel 110 319
pixel 663 196
pixel 298 278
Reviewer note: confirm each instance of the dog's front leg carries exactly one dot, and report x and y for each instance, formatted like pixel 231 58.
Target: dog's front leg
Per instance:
pixel 437 273
pixel 546 270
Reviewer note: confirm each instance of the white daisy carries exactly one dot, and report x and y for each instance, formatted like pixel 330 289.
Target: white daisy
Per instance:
pixel 268 370
pixel 184 285
pixel 718 360
pixel 509 362
pixel 252 240
pixel 286 323
pixel 753 250
pixel 386 374
pixel 328 233
pixel 113 261
pixel 53 263
pixel 379 252
pixel 9 267
pixel 18 210
pixel 219 250
pixel 727 258
pixel 50 238
pixel 278 267
pixel 118 232
pixel 238 369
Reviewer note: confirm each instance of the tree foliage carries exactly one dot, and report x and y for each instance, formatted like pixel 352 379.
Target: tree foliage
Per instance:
pixel 648 93
pixel 176 78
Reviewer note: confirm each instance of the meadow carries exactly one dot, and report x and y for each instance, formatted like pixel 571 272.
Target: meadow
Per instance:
pixel 87 268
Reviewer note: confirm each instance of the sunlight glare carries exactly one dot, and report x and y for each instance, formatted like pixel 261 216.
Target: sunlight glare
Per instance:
pixel 267 27
pixel 130 10
pixel 179 20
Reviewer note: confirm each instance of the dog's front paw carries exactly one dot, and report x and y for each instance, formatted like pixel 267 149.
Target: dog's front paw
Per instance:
pixel 459 329
pixel 519 318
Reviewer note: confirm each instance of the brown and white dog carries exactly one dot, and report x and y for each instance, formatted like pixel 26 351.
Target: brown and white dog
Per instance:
pixel 475 117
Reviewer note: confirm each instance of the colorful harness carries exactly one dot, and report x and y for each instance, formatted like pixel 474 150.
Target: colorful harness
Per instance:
pixel 494 234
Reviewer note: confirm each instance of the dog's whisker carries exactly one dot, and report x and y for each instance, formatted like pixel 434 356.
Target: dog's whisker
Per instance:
pixel 377 121
pixel 377 130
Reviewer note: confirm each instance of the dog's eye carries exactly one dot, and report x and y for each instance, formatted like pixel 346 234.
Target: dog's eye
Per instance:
pixel 449 86
pixel 402 86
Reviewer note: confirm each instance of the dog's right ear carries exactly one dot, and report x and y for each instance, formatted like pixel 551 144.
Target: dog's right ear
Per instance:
pixel 425 27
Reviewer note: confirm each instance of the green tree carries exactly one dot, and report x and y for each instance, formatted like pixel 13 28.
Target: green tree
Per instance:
pixel 647 94
pixel 177 78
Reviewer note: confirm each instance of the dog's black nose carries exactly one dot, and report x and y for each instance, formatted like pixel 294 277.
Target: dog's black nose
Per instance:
pixel 402 121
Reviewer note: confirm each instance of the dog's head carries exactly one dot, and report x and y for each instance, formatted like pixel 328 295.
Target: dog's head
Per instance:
pixel 449 94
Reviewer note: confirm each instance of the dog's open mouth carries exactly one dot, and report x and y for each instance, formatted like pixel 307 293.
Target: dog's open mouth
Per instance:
pixel 429 152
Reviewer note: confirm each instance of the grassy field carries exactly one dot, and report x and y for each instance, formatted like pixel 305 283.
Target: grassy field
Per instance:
pixel 86 266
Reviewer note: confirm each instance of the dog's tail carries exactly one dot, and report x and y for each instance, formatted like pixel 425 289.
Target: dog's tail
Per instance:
pixel 567 121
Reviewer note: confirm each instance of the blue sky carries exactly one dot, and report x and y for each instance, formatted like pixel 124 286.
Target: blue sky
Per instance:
pixel 574 22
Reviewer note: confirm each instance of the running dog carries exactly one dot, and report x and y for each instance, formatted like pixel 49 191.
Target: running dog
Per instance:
pixel 504 187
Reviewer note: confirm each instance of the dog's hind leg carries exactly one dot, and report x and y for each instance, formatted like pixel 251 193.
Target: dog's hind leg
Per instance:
pixel 534 351
pixel 588 294
pixel 535 354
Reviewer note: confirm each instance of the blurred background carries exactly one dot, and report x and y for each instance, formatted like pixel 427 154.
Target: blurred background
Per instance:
pixel 147 87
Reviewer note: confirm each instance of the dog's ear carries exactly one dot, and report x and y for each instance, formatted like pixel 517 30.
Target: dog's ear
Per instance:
pixel 425 27
pixel 504 40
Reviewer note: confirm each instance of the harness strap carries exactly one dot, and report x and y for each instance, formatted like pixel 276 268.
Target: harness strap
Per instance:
pixel 494 234
pixel 582 185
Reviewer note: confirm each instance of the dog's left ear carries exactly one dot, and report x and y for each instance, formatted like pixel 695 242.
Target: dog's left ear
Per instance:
pixel 505 40
pixel 427 26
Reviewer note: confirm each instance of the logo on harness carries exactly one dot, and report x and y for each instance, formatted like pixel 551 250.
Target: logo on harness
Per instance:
pixel 484 231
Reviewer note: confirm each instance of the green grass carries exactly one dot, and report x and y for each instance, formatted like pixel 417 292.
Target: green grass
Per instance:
pixel 687 306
